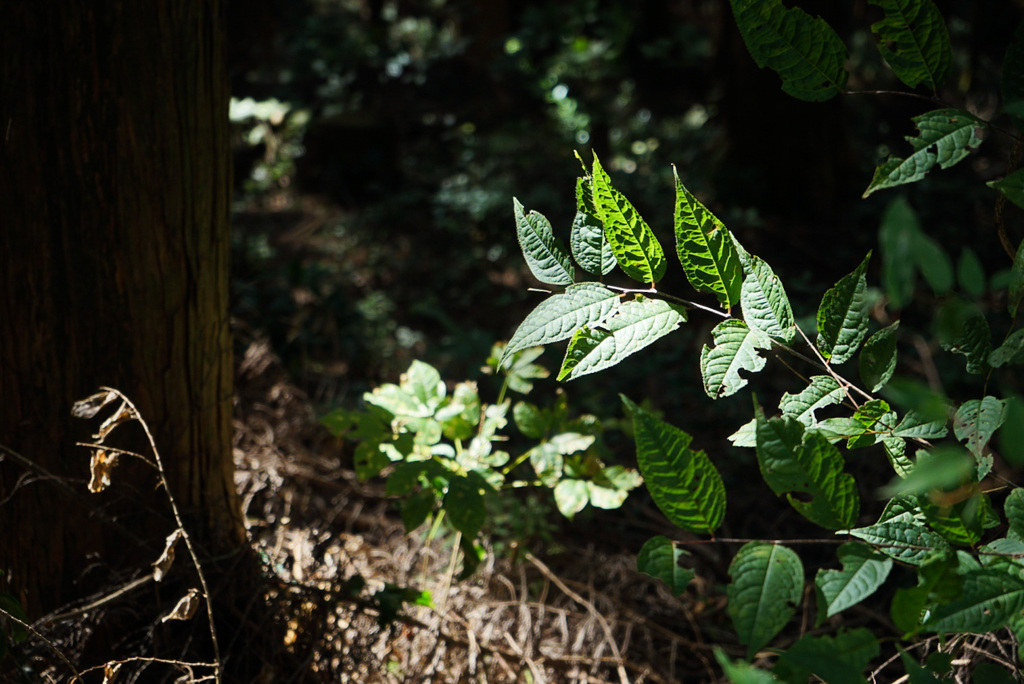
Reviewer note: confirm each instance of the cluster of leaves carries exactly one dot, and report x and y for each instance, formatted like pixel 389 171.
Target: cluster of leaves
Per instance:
pixel 439 449
pixel 941 519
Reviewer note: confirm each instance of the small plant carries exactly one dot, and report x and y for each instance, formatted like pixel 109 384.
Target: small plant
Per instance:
pixel 942 517
pixel 444 452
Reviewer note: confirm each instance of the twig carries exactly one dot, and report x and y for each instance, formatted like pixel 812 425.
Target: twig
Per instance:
pixel 181 526
pixel 678 300
pixel 76 677
pixel 116 594
pixel 623 677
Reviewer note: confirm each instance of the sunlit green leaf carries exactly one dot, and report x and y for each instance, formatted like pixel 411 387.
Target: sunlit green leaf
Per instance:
pixel 843 316
pixel 736 349
pixel 914 41
pixel 767 583
pixel 904 537
pixel 822 391
pixel 635 325
pixel 804 51
pixel 863 572
pixel 557 317
pixel 632 241
pixel 707 251
pixel 795 461
pixel 659 557
pixel 741 672
pixel 589 245
pixel 764 301
pixel 571 497
pixel 683 483
pixel 545 254
pixel 917 426
pixel 946 137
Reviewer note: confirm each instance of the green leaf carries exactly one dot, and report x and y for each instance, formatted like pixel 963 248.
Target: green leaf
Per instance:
pixel 545 254
pixel 416 507
pixel 836 660
pixel 960 523
pixel 521 371
pixel 764 301
pixel 864 571
pixel 635 325
pixel 843 316
pixel 914 41
pixel 1016 281
pixel 632 241
pixel 659 557
pixel 962 329
pixel 1011 436
pixel 904 538
pixel 934 264
pixel 793 460
pixel 918 426
pixel 736 348
pixel 746 436
pixel 1012 186
pixel 805 52
pixel 976 421
pixel 420 392
pixel 896 452
pixel 898 236
pixel 946 137
pixel 767 582
pixel 571 497
pixel 944 467
pixel 1010 351
pixel 878 358
pixel 1013 507
pixel 707 251
pixel 683 483
pixel 557 317
pixel 971 273
pixel 740 672
pixel 589 245
pixel 464 503
pixel 822 391
pixel 938 580
pixel 990 599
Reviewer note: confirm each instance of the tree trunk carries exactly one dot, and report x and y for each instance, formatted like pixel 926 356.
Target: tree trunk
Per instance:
pixel 114 247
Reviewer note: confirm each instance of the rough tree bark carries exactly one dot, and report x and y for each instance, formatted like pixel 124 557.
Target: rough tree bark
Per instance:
pixel 114 242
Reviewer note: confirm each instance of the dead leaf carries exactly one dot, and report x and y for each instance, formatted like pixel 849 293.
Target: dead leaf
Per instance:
pixel 186 607
pixel 163 563
pixel 122 415
pixel 102 464
pixel 91 405
pixel 110 672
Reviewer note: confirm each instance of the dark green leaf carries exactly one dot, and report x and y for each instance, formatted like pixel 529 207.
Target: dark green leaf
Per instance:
pixel 836 660
pixel 659 557
pixel 864 571
pixel 898 236
pixel 464 503
pixel 913 40
pixel 962 329
pixel 767 582
pixel 970 273
pixel 990 599
pixel 843 316
pixel 1012 85
pixel 1012 185
pixel 878 357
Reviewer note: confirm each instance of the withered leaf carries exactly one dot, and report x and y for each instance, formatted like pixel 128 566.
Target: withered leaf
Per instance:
pixel 102 464
pixel 186 607
pixel 122 415
pixel 91 405
pixel 110 672
pixel 163 564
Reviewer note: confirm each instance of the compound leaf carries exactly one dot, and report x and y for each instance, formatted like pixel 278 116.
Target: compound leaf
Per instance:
pixel 706 249
pixel 683 483
pixel 635 325
pixel 864 571
pixel 946 137
pixel 767 581
pixel 914 41
pixel 632 241
pixel 804 51
pixel 545 254
pixel 843 316
pixel 555 319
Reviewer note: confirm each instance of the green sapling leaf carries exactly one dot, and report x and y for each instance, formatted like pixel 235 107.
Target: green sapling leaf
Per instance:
pixel 914 41
pixel 464 503
pixel 878 358
pixel 632 241
pixel 736 348
pixel 589 245
pixel 635 325
pixel 659 557
pixel 1012 186
pixel 545 254
pixel 764 301
pixel 710 259
pixel 864 571
pixel 557 317
pixel 843 316
pixel 805 52
pixel 683 483
pixel 767 583
pixel 946 137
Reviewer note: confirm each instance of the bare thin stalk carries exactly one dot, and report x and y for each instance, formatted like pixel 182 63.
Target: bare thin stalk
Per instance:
pixel 75 676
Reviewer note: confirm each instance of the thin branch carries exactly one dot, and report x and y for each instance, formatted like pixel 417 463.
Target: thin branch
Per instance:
pixel 76 677
pixel 672 298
